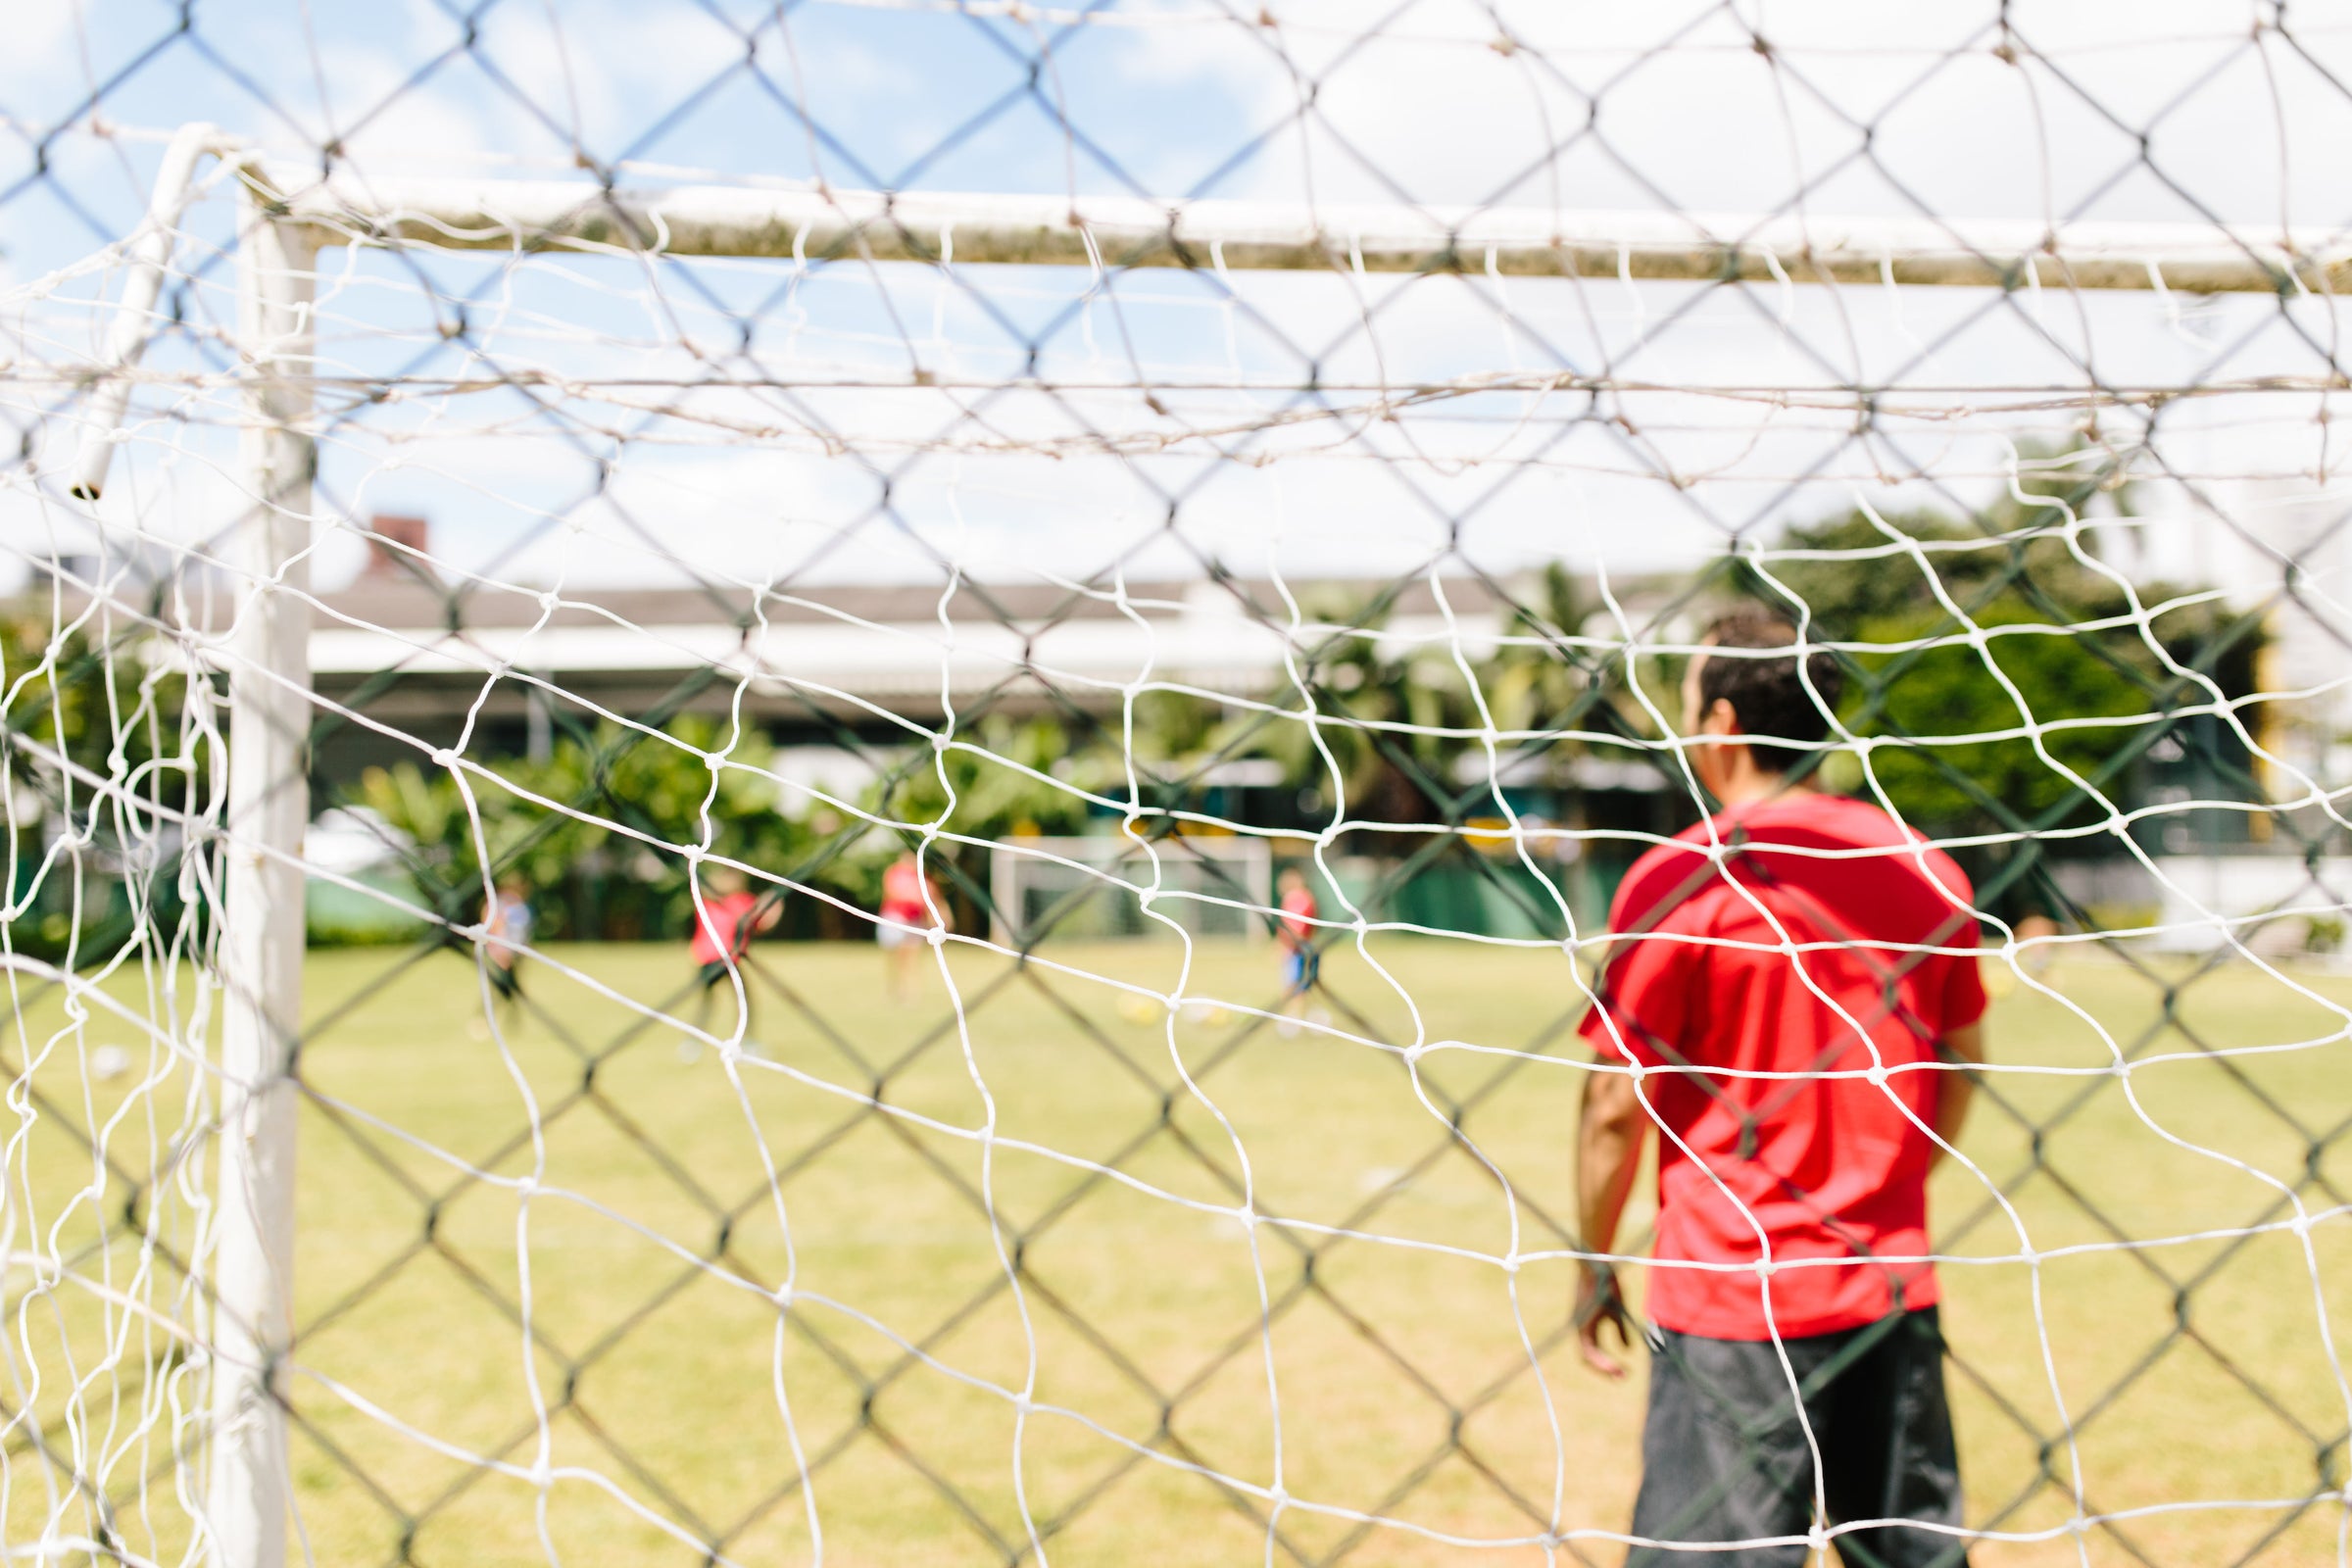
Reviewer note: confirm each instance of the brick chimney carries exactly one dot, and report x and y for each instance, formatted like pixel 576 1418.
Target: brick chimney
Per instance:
pixel 389 551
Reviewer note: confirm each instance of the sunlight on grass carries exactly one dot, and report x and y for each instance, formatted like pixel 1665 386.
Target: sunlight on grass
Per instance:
pixel 660 1202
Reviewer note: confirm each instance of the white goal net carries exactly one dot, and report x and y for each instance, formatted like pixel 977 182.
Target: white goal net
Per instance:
pixel 842 782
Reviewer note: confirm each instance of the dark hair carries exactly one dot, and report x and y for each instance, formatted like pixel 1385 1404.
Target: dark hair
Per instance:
pixel 1768 696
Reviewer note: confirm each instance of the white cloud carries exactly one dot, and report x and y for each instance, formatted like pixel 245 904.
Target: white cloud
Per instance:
pixel 1697 113
pixel 1700 115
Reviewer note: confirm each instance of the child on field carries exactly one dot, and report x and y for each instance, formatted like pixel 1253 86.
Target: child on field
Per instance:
pixel 507 931
pixel 727 915
pixel 1295 931
pixel 910 898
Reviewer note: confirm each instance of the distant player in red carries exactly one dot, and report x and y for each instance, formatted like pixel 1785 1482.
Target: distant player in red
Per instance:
pixel 507 918
pixel 727 915
pixel 1294 930
pixel 1796 982
pixel 507 924
pixel 910 902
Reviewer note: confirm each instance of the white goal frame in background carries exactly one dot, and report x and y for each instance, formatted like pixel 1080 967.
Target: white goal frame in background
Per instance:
pixel 1167 878
pixel 284 220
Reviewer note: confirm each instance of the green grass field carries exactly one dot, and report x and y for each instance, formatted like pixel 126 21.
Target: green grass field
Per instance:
pixel 675 1200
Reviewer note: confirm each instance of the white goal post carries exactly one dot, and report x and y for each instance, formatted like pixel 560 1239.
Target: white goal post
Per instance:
pixel 1205 885
pixel 1128 231
pixel 1109 885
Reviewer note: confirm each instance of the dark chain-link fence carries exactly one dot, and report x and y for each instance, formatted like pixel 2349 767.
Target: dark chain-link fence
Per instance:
pixel 974 680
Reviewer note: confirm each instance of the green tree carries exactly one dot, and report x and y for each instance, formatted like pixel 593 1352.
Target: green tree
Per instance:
pixel 2088 675
pixel 1379 712
pixel 993 778
pixel 1952 690
pixel 100 735
pixel 597 828
pixel 103 706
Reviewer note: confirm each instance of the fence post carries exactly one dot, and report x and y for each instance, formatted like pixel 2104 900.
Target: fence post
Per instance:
pixel 261 937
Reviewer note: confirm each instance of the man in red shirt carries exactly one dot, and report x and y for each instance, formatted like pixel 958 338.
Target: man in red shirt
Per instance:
pixel 1792 999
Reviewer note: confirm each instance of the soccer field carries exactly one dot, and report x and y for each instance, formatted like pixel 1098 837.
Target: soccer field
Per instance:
pixel 636 1184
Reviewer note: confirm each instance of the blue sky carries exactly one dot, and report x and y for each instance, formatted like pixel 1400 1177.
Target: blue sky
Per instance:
pixel 1668 108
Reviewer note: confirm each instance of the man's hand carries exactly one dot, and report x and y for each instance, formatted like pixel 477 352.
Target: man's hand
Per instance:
pixel 1610 1136
pixel 1599 1307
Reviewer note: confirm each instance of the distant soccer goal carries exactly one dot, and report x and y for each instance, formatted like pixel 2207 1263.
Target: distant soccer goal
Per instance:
pixel 1103 886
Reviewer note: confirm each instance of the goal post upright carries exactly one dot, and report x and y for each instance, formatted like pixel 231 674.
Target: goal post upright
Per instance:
pixel 261 924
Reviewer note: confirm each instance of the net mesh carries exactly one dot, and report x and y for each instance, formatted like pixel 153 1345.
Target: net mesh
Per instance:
pixel 956 611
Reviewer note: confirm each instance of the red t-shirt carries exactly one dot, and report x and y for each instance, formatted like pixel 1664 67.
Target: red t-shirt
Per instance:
pixel 730 916
pixel 903 895
pixel 1297 917
pixel 1827 1168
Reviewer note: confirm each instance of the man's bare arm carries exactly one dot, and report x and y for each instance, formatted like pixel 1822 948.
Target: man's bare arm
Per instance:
pixel 1957 1086
pixel 1611 1133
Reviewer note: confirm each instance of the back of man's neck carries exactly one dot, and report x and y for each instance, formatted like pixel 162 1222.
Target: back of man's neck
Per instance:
pixel 1759 788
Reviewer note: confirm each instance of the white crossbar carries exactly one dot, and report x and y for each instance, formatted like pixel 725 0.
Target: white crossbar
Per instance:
pixel 1117 231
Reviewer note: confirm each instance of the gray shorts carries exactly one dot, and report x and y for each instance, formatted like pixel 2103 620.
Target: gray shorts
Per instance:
pixel 1723 1457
